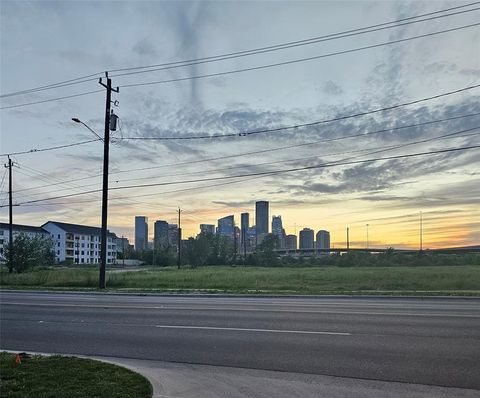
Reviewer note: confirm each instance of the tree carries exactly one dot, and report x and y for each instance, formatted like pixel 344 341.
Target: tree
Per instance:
pixel 266 251
pixel 29 251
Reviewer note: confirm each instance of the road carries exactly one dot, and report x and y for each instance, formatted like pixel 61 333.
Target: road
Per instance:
pixel 426 341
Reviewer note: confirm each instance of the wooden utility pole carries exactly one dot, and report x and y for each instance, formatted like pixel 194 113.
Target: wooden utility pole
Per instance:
pixel 106 142
pixel 10 215
pixel 179 250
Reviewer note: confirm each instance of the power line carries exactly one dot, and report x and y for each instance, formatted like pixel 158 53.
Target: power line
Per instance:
pixel 52 148
pixel 381 148
pixel 266 150
pixel 262 131
pixel 255 67
pixel 51 99
pixel 296 126
pixel 283 63
pixel 297 41
pixel 315 40
pixel 276 47
pixel 266 173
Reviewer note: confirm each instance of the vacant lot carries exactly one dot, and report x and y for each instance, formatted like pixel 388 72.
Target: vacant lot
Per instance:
pixel 57 376
pixel 463 280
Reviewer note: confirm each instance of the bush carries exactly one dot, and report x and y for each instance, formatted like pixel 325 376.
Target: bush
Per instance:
pixel 28 252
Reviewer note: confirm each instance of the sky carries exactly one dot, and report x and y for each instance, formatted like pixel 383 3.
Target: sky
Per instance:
pixel 46 42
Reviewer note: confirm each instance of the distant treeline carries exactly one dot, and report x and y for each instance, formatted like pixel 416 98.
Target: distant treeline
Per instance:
pixel 209 249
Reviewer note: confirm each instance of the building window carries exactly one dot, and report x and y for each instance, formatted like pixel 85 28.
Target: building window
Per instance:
pixel 83 253
pixel 58 252
pixel 58 244
pixel 83 260
pixel 58 236
pixel 83 244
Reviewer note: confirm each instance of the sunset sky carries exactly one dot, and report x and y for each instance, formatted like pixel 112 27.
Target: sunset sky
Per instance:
pixel 44 42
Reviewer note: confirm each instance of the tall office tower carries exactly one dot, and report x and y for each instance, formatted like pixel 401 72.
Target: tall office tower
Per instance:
pixel 207 229
pixel 306 238
pixel 261 220
pixel 225 226
pixel 141 233
pixel 244 225
pixel 323 239
pixel 291 242
pixel 277 230
pixel 173 235
pixel 160 234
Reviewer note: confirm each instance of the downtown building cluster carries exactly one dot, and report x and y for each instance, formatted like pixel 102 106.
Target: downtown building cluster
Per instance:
pixel 244 236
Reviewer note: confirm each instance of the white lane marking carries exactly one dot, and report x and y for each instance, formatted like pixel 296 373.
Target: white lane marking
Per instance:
pixel 198 327
pixel 242 309
pixel 252 330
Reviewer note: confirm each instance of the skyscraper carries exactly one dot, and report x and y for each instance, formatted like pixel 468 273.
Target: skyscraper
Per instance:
pixel 277 230
pixel 291 242
pixel 173 235
pixel 245 222
pixel 141 233
pixel 207 229
pixel 261 220
pixel 323 239
pixel 225 226
pixel 160 234
pixel 306 238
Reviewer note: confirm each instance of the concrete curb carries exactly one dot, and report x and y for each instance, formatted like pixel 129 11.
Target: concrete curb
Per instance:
pixel 246 295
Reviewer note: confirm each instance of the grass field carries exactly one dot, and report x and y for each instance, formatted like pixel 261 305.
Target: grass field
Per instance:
pixel 462 280
pixel 56 376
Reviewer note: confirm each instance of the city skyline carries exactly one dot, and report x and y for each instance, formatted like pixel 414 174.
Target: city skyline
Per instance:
pixel 388 195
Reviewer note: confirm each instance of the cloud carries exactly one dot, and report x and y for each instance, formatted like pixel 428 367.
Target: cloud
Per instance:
pixel 331 88
pixel 145 48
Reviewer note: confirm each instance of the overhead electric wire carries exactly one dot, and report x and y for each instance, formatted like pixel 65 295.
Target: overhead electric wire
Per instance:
pixel 294 61
pixel 52 148
pixel 254 67
pixel 370 151
pixel 266 173
pixel 381 149
pixel 319 39
pixel 274 149
pixel 44 177
pixel 280 46
pixel 51 99
pixel 296 126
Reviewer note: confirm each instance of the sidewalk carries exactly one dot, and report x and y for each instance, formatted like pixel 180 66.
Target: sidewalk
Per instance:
pixel 175 380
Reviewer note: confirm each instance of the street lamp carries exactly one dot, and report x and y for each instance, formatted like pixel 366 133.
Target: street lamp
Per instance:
pixel 77 120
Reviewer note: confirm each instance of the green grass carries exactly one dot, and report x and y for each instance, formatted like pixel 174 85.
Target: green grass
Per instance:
pixel 447 280
pixel 57 376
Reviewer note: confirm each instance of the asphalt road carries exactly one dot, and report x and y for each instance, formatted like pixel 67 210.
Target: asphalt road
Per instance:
pixel 425 341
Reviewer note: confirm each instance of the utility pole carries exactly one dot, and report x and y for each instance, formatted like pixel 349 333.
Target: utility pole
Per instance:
pixel 106 142
pixel 348 239
pixel 421 232
pixel 244 236
pixel 123 251
pixel 179 250
pixel 10 215
pixel 153 252
pixel 234 242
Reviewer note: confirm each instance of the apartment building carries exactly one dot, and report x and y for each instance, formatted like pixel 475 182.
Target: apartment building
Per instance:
pixel 79 244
